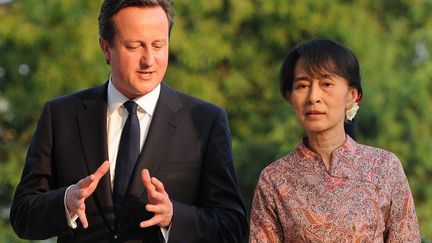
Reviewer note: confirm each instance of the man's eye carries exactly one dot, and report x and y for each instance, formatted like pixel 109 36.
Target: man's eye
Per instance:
pixel 158 45
pixel 132 47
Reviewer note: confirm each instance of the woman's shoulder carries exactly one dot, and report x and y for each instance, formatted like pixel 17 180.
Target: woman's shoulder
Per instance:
pixel 375 153
pixel 377 164
pixel 279 167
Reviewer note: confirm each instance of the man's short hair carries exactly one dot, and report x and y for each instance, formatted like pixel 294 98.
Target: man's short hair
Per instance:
pixel 111 7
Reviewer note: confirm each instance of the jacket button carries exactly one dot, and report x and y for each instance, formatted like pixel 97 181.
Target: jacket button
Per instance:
pixel 115 237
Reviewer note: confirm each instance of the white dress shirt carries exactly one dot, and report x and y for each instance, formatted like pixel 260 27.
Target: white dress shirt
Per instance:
pixel 116 118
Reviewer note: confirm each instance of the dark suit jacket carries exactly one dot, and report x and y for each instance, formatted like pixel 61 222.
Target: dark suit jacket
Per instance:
pixel 188 148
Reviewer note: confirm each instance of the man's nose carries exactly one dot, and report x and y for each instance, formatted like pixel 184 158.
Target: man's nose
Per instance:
pixel 147 57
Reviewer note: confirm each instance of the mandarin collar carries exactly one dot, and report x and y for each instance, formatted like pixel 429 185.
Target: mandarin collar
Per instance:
pixel 342 157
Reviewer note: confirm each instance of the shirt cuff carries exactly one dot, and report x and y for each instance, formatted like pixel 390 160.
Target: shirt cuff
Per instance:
pixel 70 220
pixel 165 233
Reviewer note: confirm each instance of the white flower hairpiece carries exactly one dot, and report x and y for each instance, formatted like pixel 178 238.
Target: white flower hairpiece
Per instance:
pixel 351 112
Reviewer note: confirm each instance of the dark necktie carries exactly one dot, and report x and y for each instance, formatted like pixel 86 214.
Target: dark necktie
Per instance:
pixel 128 152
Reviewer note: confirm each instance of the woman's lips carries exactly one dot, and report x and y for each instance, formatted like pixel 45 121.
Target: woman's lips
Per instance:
pixel 315 114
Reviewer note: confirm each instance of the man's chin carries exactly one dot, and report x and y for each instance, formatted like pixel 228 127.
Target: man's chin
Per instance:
pixel 145 89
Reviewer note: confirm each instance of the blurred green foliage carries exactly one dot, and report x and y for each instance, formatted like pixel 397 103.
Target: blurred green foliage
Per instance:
pixel 229 52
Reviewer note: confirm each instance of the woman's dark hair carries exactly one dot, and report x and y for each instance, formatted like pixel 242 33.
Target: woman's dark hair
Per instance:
pixel 321 57
pixel 110 7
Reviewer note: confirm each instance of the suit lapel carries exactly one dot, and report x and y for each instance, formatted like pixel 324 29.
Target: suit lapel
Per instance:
pixel 93 134
pixel 163 127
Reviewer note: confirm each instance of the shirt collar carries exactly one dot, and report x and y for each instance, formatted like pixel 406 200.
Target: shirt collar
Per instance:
pixel 146 102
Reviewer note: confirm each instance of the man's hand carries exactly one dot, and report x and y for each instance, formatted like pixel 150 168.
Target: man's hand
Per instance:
pixel 78 193
pixel 159 202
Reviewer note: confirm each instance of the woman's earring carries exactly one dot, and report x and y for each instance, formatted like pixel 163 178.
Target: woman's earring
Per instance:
pixel 351 112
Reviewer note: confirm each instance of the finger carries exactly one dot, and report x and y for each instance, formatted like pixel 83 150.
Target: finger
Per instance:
pixel 82 205
pixel 102 170
pixel 145 176
pixel 83 218
pixel 158 185
pixel 157 209
pixel 155 197
pixel 154 208
pixel 150 222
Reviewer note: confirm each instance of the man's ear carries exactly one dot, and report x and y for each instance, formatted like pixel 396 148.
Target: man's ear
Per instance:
pixel 105 49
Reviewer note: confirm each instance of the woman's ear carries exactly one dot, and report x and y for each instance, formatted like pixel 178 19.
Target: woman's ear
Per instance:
pixel 353 96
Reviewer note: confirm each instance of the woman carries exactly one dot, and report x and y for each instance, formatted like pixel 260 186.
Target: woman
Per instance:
pixel 330 188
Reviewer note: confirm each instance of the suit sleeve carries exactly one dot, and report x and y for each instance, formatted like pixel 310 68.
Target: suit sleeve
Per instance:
pixel 37 210
pixel 220 215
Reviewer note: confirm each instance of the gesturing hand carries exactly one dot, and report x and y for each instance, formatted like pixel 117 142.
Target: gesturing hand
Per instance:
pixel 79 192
pixel 159 202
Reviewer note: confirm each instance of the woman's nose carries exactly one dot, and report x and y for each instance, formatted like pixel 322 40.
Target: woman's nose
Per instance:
pixel 314 94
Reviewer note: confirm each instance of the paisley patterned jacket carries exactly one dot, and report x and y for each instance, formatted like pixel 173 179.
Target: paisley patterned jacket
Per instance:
pixel 363 197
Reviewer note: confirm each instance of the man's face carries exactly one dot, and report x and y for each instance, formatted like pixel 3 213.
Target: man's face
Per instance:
pixel 139 53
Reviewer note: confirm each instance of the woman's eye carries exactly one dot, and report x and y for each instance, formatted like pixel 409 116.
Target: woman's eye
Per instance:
pixel 301 86
pixel 327 84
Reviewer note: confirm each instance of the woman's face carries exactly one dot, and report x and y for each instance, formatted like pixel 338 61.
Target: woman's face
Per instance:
pixel 320 102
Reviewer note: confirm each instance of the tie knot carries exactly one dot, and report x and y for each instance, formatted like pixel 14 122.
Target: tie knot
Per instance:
pixel 131 106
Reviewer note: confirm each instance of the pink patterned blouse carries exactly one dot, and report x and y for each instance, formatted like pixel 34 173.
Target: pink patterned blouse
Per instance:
pixel 364 197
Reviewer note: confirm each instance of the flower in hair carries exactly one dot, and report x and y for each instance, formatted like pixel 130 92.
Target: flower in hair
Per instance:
pixel 351 112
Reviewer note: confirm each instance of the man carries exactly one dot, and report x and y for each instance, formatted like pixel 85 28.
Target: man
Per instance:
pixel 142 127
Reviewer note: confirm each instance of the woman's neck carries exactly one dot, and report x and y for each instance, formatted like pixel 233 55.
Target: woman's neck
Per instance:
pixel 325 143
